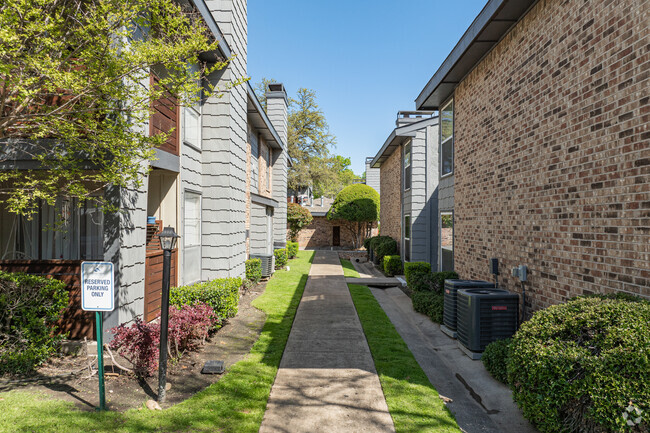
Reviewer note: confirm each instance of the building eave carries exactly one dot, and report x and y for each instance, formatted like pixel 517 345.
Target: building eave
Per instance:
pixel 398 137
pixel 261 121
pixel 496 19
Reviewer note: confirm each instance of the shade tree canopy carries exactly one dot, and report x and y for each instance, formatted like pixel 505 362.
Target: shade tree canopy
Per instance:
pixel 75 97
pixel 358 207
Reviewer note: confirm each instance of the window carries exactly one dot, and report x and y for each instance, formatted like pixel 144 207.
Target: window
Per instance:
pixel 407 167
pixel 192 117
pixel 447 139
pixel 65 230
pixel 447 241
pixel 407 238
pixel 192 126
pixel 191 237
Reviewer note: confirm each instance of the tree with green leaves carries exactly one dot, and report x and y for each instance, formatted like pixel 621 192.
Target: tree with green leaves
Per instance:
pixel 75 93
pixel 297 218
pixel 358 206
pixel 310 145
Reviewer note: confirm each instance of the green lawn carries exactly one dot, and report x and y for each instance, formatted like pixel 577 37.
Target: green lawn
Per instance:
pixel 348 269
pixel 234 404
pixel 412 401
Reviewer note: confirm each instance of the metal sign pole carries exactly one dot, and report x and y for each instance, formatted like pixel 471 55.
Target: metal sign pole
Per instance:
pixel 100 359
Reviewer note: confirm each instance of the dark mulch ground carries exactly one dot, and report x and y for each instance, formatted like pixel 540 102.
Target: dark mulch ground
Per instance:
pixel 69 378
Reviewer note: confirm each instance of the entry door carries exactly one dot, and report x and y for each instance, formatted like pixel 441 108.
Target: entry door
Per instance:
pixel 269 230
pixel 336 236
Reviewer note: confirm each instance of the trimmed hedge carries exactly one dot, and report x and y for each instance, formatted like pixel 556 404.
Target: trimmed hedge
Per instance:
pixel 438 279
pixel 583 365
pixel 429 303
pixel 281 258
pixel 418 276
pixel 292 249
pixel 392 265
pixel 221 294
pixel 495 359
pixel 30 305
pixel 383 248
pixel 254 270
pixel 374 242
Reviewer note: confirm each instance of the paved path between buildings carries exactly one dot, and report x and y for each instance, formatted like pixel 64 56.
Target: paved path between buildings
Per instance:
pixel 327 380
pixel 479 403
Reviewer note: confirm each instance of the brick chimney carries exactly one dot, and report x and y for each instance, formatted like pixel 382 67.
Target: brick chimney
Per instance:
pixel 276 109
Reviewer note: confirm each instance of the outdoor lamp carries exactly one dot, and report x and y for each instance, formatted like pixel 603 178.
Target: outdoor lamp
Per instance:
pixel 167 241
pixel 168 238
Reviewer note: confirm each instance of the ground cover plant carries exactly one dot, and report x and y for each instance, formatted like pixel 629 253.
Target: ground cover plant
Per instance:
pixel 234 404
pixel 584 366
pixel 29 308
pixel 413 402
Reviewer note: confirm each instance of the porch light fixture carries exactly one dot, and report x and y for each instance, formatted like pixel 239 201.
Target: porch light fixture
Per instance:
pixel 168 239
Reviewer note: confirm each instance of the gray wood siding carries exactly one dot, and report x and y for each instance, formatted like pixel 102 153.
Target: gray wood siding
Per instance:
pixel 277 112
pixel 224 154
pixel 258 229
pixel 255 167
pixel 418 198
pixel 433 177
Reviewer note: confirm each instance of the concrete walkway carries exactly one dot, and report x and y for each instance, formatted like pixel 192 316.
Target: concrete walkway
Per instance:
pixel 479 403
pixel 327 380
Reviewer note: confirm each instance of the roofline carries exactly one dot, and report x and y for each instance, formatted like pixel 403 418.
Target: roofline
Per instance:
pixel 401 131
pixel 214 28
pixel 483 19
pixel 258 107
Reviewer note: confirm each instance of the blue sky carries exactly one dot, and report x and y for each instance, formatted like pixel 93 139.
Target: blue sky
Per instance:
pixel 365 59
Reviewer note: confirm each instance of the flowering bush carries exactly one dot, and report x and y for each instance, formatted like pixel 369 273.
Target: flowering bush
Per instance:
pixel 139 343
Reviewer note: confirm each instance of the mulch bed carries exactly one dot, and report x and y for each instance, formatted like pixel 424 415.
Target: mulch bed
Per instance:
pixel 69 377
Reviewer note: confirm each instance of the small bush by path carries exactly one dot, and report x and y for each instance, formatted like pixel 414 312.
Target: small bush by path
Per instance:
pixel 413 402
pixel 234 404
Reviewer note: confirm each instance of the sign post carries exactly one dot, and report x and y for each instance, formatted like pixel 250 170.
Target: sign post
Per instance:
pixel 97 294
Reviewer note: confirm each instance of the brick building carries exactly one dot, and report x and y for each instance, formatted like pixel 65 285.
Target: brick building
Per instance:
pixel 323 233
pixel 545 112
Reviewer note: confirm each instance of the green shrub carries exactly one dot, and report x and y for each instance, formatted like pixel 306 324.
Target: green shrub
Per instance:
pixel 383 248
pixel 280 258
pixel 392 265
pixel 366 242
pixel 438 279
pixel 429 303
pixel 254 270
pixel 220 294
pixel 576 366
pixel 495 359
pixel 418 276
pixel 29 308
pixel 374 242
pixel 292 249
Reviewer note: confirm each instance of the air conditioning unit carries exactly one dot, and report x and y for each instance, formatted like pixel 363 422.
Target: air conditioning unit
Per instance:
pixel 451 287
pixel 484 316
pixel 267 263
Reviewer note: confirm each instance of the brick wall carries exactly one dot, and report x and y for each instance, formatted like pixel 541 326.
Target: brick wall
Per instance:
pixel 390 213
pixel 264 167
pixel 552 165
pixel 320 234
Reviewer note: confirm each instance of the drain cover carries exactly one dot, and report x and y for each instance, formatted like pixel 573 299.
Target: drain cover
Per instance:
pixel 213 367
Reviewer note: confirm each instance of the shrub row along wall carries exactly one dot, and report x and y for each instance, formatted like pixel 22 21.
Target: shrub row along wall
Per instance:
pixel 552 165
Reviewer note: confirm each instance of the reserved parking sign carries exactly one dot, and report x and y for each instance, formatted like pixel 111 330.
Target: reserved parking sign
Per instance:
pixel 97 286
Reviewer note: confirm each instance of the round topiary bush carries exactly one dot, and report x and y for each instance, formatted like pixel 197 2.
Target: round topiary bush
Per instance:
pixel 584 366
pixel 495 359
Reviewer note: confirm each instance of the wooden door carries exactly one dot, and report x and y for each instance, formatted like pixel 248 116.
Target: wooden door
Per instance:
pixel 336 236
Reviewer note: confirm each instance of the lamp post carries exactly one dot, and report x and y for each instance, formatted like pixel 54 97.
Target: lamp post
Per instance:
pixel 168 239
